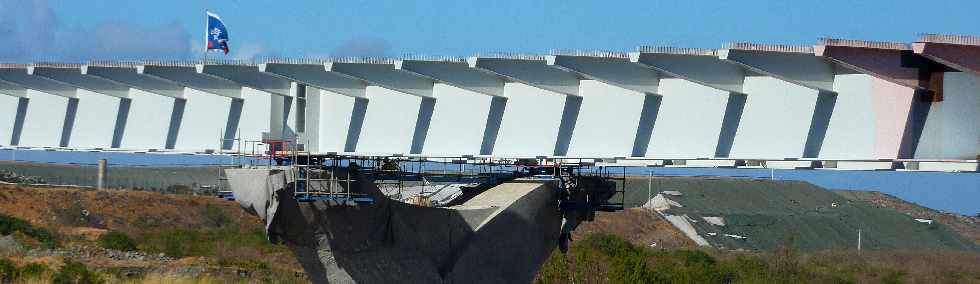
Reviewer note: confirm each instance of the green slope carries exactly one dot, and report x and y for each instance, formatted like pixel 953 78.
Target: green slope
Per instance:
pixel 771 213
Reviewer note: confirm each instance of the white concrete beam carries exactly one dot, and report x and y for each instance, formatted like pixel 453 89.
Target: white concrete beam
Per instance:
pixel 700 66
pixel 534 71
pixel 799 66
pixel 188 76
pixel 127 75
pixel 73 76
pixel 316 75
pixel 12 89
pixel 530 71
pixel 384 75
pixel 48 120
pixel 614 83
pixel 387 106
pixel 470 108
pixel 19 76
pixel 616 71
pixel 248 75
pixel 12 112
pixel 455 73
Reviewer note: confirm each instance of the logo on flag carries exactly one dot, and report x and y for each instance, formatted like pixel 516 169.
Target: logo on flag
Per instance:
pixel 217 34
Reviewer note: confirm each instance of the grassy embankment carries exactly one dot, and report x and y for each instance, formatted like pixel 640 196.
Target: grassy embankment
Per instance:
pixel 200 239
pixel 604 258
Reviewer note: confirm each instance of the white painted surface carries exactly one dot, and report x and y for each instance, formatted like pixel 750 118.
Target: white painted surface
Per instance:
pixel 148 122
pixel 8 113
pixel 891 104
pixel 389 123
pixel 205 115
pixel 256 114
pixel 689 121
pixel 95 121
pixel 850 134
pixel 335 115
pixel 313 119
pixel 775 120
pixel 607 121
pixel 44 121
pixel 458 121
pixel 530 124
pixel 952 129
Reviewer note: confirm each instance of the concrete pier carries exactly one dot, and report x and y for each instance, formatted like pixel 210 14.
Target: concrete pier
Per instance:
pixel 500 236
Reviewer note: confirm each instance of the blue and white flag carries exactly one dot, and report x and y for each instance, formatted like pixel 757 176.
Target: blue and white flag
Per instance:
pixel 217 34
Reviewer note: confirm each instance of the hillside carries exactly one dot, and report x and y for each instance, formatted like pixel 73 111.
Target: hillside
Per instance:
pixel 161 236
pixel 762 214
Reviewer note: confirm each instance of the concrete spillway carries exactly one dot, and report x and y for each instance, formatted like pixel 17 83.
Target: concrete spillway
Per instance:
pixel 500 236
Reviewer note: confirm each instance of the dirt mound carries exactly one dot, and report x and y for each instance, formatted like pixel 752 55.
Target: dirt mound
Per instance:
pixel 640 226
pixel 74 211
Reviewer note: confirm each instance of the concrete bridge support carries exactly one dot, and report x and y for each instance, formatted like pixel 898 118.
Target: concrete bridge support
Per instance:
pixel 610 81
pixel 840 100
pixel 500 236
pixel 13 106
pixel 902 91
pixel 469 108
pixel 400 110
pixel 950 130
pixel 696 67
pixel 543 105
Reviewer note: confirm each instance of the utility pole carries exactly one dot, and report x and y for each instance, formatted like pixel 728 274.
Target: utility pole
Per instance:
pixel 859 240
pixel 650 186
pixel 100 176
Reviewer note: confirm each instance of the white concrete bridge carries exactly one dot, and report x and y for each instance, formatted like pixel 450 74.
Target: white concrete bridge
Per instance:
pixel 842 99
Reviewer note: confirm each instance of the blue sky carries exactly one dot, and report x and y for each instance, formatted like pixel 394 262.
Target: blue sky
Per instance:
pixel 71 30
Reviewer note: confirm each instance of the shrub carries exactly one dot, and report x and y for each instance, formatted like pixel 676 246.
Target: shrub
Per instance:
pixel 10 224
pixel 243 263
pixel 8 271
pixel 33 270
pixel 117 241
pixel 215 215
pixel 76 273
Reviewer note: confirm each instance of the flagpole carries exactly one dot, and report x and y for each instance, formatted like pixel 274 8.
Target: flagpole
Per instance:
pixel 206 19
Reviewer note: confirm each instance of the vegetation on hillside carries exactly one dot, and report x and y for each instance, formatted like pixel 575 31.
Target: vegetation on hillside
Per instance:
pixel 138 236
pixel 10 225
pixel 603 258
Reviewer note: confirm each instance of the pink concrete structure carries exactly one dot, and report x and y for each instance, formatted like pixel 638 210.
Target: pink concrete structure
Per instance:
pixel 903 87
pixel 959 52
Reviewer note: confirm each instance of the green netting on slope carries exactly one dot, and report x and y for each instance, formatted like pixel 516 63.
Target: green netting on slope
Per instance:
pixel 770 213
